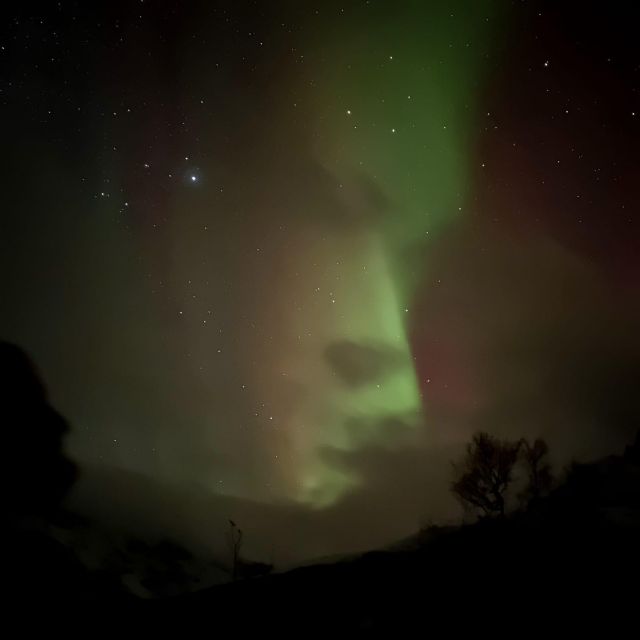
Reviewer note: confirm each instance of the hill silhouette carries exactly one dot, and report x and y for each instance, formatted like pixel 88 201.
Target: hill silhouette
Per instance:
pixel 576 548
pixel 35 476
pixel 571 550
pixel 35 472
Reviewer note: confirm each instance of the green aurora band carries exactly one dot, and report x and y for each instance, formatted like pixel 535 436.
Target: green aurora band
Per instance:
pixel 398 101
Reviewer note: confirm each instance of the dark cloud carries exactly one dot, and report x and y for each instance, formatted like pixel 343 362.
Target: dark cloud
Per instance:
pixel 391 431
pixel 363 202
pixel 360 364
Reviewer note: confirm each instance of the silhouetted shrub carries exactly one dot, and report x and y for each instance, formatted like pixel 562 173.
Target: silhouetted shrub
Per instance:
pixel 539 477
pixel 485 473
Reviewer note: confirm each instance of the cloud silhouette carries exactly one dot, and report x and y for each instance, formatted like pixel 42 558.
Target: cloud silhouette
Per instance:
pixel 360 364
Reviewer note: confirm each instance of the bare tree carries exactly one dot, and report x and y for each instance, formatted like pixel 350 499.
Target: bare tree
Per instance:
pixel 539 476
pixel 483 476
pixel 235 544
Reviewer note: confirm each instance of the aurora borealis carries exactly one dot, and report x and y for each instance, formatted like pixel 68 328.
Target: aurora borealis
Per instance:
pixel 290 255
pixel 393 132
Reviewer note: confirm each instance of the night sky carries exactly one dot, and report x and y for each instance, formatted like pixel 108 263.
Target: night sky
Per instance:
pixel 277 260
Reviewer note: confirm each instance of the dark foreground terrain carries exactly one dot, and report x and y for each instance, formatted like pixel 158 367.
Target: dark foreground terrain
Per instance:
pixel 573 554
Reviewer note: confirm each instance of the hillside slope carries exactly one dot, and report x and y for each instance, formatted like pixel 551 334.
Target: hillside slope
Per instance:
pixel 577 547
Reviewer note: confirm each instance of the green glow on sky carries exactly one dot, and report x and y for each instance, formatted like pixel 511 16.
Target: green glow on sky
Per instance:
pixel 395 102
pixel 352 417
